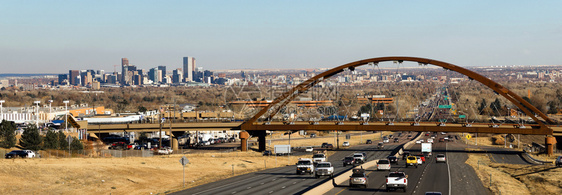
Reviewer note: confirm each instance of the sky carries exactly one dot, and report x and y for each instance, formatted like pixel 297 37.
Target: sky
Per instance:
pixel 56 36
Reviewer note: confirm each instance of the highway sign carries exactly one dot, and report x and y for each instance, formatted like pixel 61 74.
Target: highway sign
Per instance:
pixel 462 116
pixel 468 136
pixel 69 139
pixel 444 106
pixel 184 161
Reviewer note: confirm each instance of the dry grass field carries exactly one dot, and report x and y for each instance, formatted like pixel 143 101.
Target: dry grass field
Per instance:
pixel 329 138
pixel 133 175
pixel 517 179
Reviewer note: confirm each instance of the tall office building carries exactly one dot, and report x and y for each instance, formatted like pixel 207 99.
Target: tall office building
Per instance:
pixel 63 79
pixel 163 69
pixel 72 74
pixel 188 68
pixel 177 76
pixel 125 71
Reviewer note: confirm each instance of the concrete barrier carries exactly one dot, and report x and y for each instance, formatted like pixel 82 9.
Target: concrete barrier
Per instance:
pixel 340 179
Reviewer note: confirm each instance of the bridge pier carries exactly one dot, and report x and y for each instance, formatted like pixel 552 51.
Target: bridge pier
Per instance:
pixel 261 141
pixel 244 136
pixel 549 143
pixel 558 142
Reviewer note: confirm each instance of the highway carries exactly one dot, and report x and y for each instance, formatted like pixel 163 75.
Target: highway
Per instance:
pixel 453 177
pixel 283 180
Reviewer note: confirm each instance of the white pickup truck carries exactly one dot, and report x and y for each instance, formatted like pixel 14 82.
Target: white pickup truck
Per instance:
pixel 305 165
pixel 319 157
pixel 396 180
pixel 324 168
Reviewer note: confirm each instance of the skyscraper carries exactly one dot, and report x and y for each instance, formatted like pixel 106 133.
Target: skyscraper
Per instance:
pixel 124 71
pixel 188 68
pixel 72 74
pixel 163 69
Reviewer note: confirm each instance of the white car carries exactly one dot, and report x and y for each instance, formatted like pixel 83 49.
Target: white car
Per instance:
pixel 345 144
pixel 309 149
pixel 440 158
pixel 429 140
pixel 165 151
pixel 30 154
pixel 383 164
pixel 420 161
pixel 419 141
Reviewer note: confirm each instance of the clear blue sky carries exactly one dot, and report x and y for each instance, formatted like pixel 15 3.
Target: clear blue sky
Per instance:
pixel 55 36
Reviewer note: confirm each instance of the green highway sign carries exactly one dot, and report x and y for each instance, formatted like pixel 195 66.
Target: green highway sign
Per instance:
pixel 444 106
pixel 462 116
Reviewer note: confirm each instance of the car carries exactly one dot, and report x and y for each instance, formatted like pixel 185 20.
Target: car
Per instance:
pixel 443 133
pixel 412 161
pixel 421 156
pixel 323 169
pixel 359 157
pixel 348 160
pixel 441 139
pixel 396 140
pixel 305 165
pixel 345 144
pixel 383 164
pixel 440 158
pixel 426 134
pixel 165 150
pixel 446 138
pixel 558 162
pixel 405 155
pixel 20 153
pixel 369 141
pixel 396 180
pixel 409 136
pixel 429 140
pixel 330 146
pixel 324 145
pixel 319 157
pixel 267 153
pixel 380 145
pixel 309 149
pixel 419 141
pixel 392 159
pixel 432 193
pixel 358 178
pixel 385 140
pixel 312 135
pixel 390 136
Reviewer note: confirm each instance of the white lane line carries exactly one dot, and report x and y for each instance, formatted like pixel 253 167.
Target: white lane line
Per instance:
pixel 448 169
pixel 270 192
pixel 283 187
pixel 234 192
pixel 295 182
pixel 249 187
pixel 261 183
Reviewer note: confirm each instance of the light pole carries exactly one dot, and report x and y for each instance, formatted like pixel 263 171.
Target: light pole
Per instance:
pixel 37 113
pixel 2 109
pixel 50 110
pixel 66 114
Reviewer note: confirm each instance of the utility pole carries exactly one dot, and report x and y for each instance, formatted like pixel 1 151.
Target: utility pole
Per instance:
pixel 160 133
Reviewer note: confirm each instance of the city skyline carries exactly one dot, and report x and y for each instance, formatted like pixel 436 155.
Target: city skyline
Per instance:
pixel 57 36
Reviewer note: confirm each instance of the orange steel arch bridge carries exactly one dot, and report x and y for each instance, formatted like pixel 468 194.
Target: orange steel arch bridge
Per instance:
pixel 260 123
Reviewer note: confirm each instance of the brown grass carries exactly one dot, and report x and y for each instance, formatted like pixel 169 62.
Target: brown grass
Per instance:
pixel 132 175
pixel 517 179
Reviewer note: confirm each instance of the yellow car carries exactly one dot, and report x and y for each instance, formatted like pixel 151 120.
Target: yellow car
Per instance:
pixel 412 161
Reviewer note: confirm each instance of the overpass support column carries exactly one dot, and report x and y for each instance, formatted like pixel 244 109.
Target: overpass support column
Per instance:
pixel 261 140
pixel 244 135
pixel 174 144
pixel 549 142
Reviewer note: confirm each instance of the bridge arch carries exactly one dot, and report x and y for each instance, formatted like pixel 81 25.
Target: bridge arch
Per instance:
pixel 287 97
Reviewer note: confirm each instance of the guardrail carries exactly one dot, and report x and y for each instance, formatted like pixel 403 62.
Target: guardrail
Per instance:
pixel 536 160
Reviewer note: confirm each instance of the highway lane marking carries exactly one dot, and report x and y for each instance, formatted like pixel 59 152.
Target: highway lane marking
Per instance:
pixel 234 192
pixel 295 182
pixel 341 191
pixel 262 183
pixel 270 192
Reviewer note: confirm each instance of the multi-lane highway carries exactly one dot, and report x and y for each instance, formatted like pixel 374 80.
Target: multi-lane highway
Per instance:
pixel 453 177
pixel 283 180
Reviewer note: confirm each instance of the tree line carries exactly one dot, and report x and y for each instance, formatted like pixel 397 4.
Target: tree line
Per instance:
pixel 31 139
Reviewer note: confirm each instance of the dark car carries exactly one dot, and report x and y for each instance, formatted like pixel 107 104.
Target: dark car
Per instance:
pixel 330 146
pixel 312 135
pixel 16 153
pixel 369 141
pixel 231 139
pixel 324 145
pixel 405 155
pixel 409 136
pixel 396 140
pixel 399 134
pixel 392 159
pixel 348 161
pixel 559 161
pixel 267 153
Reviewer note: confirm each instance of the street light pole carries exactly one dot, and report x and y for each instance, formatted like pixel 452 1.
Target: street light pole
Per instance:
pixel 66 114
pixel 37 113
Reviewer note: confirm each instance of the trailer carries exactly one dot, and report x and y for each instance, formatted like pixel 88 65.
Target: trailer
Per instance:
pixel 282 150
